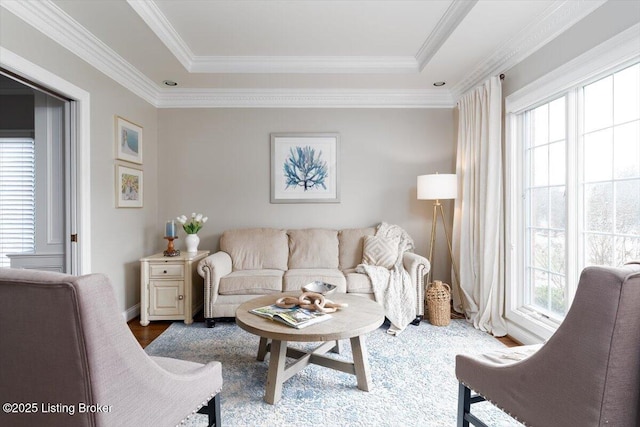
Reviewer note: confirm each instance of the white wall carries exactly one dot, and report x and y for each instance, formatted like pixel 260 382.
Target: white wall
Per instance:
pixel 605 22
pixel 119 236
pixel 217 162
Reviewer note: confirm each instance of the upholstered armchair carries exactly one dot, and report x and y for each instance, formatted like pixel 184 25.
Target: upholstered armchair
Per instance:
pixel 67 358
pixel 587 374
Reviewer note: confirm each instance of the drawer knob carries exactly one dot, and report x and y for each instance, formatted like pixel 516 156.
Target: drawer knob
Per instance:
pixel 181 297
pixel 165 272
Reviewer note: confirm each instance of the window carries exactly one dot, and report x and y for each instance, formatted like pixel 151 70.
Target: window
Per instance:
pixel 546 207
pixel 17 197
pixel 610 181
pixel 574 169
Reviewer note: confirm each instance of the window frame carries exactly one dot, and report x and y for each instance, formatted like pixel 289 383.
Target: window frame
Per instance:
pixel 525 324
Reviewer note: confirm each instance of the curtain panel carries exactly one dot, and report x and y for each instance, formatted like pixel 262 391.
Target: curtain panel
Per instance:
pixel 478 225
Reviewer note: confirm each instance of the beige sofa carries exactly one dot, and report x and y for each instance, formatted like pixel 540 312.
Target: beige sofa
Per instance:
pixel 259 261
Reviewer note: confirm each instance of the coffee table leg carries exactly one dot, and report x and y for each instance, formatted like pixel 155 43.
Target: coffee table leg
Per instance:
pixel 338 348
pixel 360 362
pixel 276 371
pixel 262 349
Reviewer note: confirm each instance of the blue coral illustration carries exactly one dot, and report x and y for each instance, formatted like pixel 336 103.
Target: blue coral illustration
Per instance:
pixel 303 168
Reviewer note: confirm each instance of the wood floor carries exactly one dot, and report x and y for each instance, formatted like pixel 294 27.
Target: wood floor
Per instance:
pixel 146 334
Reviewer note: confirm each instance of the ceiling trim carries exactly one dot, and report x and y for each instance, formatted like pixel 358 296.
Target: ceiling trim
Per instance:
pixel 161 26
pixel 306 64
pixel 56 24
pixel 555 20
pixel 303 98
pixel 52 21
pixel 452 17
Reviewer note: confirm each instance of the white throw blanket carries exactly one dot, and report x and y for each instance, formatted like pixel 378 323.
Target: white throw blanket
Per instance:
pixel 392 287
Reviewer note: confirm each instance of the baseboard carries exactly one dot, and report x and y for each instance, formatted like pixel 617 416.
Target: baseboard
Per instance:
pixel 131 312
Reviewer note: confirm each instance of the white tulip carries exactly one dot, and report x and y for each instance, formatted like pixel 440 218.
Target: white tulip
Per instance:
pixel 204 219
pixel 193 215
pixel 199 217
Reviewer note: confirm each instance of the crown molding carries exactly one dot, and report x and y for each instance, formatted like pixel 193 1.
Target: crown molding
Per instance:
pixel 54 23
pixel 556 19
pixel 304 64
pixel 307 98
pixel 161 26
pixel 452 17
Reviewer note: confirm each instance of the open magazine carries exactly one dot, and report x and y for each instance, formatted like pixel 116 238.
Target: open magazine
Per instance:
pixel 295 317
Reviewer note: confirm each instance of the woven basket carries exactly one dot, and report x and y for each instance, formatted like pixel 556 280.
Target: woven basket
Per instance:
pixel 438 297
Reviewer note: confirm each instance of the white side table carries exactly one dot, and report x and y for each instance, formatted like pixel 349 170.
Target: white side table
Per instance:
pixel 170 287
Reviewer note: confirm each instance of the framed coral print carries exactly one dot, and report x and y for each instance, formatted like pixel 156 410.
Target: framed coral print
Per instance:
pixel 304 168
pixel 128 141
pixel 129 187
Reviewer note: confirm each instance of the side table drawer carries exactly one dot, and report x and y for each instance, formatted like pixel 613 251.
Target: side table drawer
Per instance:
pixel 167 270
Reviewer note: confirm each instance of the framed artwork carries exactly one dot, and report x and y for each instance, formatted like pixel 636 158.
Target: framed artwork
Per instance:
pixel 129 187
pixel 128 141
pixel 304 168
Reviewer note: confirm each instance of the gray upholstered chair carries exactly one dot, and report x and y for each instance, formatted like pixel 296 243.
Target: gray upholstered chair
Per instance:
pixel 587 374
pixel 64 344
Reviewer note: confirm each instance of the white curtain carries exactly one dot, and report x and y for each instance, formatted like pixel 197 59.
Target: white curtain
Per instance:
pixel 478 224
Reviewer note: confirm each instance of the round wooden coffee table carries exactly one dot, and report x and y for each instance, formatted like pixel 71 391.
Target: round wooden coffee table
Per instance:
pixel 362 316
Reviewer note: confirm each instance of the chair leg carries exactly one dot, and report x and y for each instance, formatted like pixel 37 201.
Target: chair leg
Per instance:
pixel 214 411
pixel 465 399
pixel 464 405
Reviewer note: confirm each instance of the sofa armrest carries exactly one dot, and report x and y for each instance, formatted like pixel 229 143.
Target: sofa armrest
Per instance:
pixel 212 268
pixel 417 266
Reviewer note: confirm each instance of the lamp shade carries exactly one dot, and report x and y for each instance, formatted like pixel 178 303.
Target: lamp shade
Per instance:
pixel 437 186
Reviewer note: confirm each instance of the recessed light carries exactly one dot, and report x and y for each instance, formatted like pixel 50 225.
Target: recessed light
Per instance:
pixel 170 83
pixel 438 84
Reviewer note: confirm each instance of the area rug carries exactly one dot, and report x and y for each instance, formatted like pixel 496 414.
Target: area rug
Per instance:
pixel 413 377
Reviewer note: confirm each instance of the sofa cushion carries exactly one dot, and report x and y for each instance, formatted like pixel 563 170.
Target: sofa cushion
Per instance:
pixel 358 282
pixel 294 280
pixel 251 282
pixel 256 248
pixel 313 248
pixel 380 251
pixel 351 246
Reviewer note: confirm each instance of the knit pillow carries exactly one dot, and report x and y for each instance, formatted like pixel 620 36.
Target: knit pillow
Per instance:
pixel 380 251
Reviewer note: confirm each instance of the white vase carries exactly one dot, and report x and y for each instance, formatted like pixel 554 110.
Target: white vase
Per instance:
pixel 192 241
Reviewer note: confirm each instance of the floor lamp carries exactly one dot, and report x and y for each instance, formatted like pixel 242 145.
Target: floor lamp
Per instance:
pixel 438 187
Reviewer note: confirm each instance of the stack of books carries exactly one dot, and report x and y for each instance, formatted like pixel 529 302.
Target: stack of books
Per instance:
pixel 295 317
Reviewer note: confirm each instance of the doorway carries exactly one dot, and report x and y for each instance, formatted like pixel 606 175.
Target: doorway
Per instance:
pixel 78 156
pixel 34 179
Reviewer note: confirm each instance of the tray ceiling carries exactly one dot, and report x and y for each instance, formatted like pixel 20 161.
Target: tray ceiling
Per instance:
pixel 302 53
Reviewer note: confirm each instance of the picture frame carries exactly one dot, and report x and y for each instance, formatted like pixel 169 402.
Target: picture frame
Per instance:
pixel 129 187
pixel 304 167
pixel 128 141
